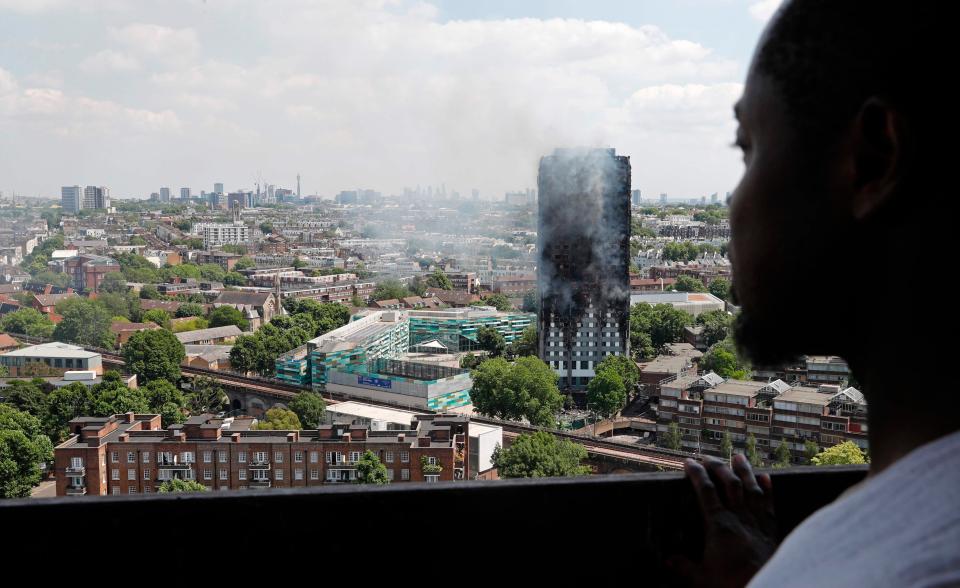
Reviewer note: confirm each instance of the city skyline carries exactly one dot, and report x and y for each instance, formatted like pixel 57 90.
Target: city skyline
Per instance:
pixel 158 95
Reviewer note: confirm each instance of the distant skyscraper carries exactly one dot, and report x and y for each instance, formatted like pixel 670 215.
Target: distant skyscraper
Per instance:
pixel 663 198
pixel 155 196
pixel 96 197
pixel 71 199
pixel 184 193
pixel 218 188
pixel 583 238
pixel 298 186
pixel 714 198
pixel 635 197
pixel 164 194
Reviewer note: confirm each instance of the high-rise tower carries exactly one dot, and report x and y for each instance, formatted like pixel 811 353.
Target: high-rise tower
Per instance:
pixel 583 272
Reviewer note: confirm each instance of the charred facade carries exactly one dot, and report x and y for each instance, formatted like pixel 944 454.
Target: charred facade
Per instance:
pixel 584 266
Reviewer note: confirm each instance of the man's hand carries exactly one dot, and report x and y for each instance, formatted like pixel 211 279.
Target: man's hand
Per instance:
pixel 739 526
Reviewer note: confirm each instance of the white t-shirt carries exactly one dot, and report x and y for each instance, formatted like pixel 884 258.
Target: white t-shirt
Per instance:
pixel 900 528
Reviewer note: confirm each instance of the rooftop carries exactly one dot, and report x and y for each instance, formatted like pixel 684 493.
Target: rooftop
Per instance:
pixel 211 333
pixel 55 349
pixel 804 396
pixel 368 411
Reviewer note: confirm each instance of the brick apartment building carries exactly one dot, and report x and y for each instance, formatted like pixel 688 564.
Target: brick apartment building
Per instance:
pixel 706 407
pixel 131 454
pixel 87 270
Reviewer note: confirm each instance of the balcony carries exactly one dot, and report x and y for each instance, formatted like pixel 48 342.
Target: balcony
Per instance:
pixel 173 466
pixel 260 483
pixel 650 518
pixel 76 490
pixel 259 465
pixel 80 471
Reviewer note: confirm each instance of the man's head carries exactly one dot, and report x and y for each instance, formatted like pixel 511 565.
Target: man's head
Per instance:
pixel 839 123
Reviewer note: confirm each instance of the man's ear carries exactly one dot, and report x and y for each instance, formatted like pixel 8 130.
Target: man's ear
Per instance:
pixel 877 151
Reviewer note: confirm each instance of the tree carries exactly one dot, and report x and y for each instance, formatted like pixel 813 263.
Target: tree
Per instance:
pixel 440 280
pixel 122 304
pixel 672 438
pixel 84 323
pixel 752 454
pixel 689 284
pixel 154 355
pixel 279 419
pixel 309 408
pixel 782 455
pixel 717 326
pixel 234 279
pixel 540 455
pixel 498 301
pixel 227 315
pixel 652 327
pixel 166 399
pixel 491 341
pixel 178 485
pixel 726 445
pixel 624 367
pixel 389 290
pixel 720 288
pixel 212 271
pixel 530 302
pixel 63 405
pixel 23 448
pixel 112 396
pixel 27 321
pixel 206 396
pixel 810 449
pixel 327 316
pixel 370 470
pixel 527 389
pixel 470 361
pixel 606 394
pixel 29 397
pixel 113 282
pixel 150 292
pixel 190 309
pixel 527 344
pixel 722 358
pixel 157 316
pixel 845 453
pixel 244 263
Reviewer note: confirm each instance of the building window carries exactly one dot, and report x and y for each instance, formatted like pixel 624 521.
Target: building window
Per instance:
pixel 390 474
pixel 404 474
pixel 222 456
pixel 187 457
pixel 298 474
pixel 389 457
pixel 115 490
pixel 260 457
pixel 314 457
pixel 146 474
pixel 314 474
pixel 207 474
pixel 132 475
pixel 278 456
pixel 298 456
pixel 114 457
pixel 147 490
pixel 242 457
pixel 76 462
pixel 404 457
pixel 207 456
pixel 131 457
pixel 132 490
pixel 114 474
pixel 242 474
pixel 432 478
pixel 223 473
pixel 354 456
pixel 329 456
pixel 146 456
pixel 277 474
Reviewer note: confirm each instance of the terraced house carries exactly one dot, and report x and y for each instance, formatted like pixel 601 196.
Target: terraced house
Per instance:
pixel 132 454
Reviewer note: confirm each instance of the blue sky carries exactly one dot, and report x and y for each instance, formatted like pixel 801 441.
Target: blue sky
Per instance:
pixel 366 93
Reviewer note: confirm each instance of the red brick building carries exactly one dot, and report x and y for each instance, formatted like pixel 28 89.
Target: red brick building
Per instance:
pixel 87 270
pixel 132 454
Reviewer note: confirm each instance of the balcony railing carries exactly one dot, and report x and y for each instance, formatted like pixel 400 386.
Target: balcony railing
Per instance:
pixel 260 483
pixel 76 490
pixel 649 518
pixel 259 465
pixel 76 471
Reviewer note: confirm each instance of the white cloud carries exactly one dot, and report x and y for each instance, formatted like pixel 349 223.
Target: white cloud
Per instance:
pixel 381 93
pixel 764 9
pixel 109 61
